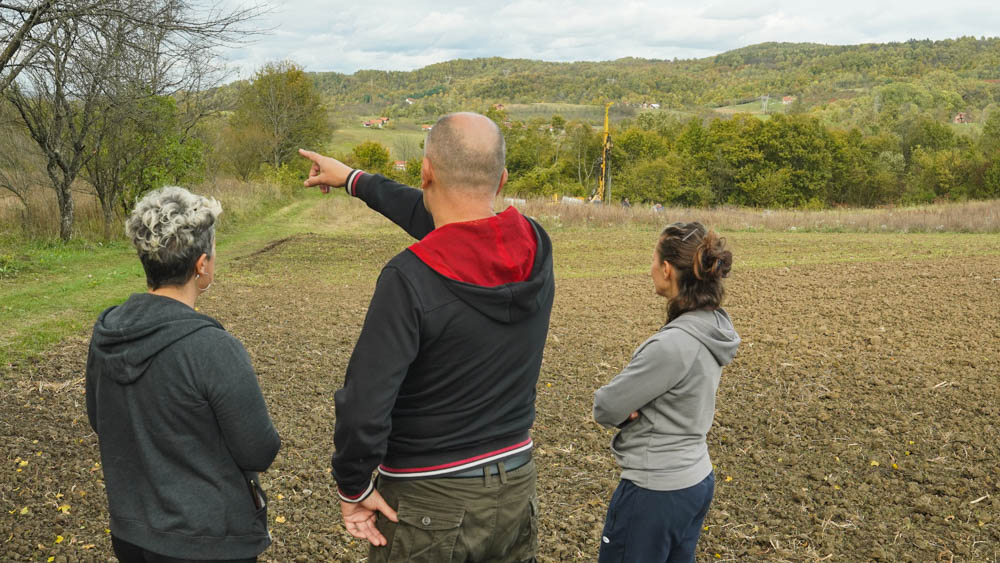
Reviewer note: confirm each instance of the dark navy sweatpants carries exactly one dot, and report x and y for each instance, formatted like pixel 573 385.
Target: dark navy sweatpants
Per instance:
pixel 645 526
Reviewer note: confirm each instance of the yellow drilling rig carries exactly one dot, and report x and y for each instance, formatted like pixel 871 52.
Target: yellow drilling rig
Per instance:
pixel 602 193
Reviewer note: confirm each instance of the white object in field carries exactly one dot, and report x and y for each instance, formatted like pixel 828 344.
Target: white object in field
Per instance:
pixel 571 200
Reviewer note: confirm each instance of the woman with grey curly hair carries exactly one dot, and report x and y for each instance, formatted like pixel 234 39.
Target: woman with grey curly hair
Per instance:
pixel 181 420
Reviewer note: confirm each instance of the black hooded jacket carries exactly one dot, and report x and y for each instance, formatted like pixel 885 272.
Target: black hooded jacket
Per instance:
pixel 183 431
pixel 443 375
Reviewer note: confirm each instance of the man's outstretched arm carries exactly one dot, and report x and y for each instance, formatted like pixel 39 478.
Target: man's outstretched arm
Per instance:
pixel 401 204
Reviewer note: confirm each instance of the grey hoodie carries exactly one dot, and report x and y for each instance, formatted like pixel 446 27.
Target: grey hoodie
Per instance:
pixel 671 381
pixel 183 429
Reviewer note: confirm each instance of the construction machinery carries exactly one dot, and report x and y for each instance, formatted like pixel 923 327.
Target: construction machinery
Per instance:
pixel 602 192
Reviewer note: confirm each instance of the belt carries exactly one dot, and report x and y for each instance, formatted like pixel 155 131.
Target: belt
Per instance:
pixel 509 464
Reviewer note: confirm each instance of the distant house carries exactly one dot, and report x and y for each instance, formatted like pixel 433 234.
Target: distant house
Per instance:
pixel 426 127
pixel 380 122
pixel 787 100
pixel 498 107
pixel 961 117
pixel 410 101
pixel 399 165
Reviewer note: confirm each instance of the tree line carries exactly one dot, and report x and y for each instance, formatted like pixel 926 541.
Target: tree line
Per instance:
pixel 785 161
pixel 966 70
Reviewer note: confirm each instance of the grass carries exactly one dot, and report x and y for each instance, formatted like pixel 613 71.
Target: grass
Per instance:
pixel 969 217
pixel 755 107
pixel 59 288
pixel 50 290
pixel 602 252
pixel 571 112
pixel 403 141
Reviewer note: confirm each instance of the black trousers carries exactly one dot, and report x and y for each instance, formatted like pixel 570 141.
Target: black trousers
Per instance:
pixel 131 553
pixel 644 525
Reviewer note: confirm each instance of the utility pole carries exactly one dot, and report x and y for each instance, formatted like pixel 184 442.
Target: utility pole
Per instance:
pixel 763 102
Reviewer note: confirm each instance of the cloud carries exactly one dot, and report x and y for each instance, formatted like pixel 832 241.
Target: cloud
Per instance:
pixel 396 35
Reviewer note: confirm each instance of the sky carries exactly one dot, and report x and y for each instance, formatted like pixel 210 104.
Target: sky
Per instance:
pixel 341 36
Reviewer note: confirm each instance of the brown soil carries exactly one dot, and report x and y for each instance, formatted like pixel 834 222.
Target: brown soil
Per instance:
pixel 858 423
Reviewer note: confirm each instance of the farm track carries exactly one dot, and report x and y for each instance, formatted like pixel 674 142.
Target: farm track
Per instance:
pixel 858 423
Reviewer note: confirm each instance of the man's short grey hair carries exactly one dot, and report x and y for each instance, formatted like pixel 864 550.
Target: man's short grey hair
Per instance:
pixel 171 228
pixel 459 161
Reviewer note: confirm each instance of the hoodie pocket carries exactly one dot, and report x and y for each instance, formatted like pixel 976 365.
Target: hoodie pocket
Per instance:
pixel 630 444
pixel 258 498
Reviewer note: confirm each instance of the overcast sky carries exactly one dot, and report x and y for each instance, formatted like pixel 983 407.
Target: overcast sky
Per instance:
pixel 325 35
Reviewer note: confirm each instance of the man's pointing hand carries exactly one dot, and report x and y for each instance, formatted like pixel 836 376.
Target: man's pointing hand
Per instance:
pixel 325 171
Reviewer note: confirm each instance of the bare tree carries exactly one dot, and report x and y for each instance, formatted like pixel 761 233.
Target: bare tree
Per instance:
pixel 27 26
pixel 58 106
pixel 71 62
pixel 155 99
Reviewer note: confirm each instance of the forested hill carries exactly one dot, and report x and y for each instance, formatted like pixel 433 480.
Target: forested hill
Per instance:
pixel 964 71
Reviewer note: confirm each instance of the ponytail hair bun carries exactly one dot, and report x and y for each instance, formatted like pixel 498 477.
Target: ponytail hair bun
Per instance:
pixel 711 259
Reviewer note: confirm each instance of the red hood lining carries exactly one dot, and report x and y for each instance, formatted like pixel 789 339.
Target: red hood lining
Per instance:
pixel 487 252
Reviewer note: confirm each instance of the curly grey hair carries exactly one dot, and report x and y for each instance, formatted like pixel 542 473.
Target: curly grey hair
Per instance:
pixel 171 228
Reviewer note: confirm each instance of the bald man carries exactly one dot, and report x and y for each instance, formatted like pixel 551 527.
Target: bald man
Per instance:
pixel 439 396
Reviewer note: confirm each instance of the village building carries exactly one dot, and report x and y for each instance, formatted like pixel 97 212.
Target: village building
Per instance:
pixel 379 122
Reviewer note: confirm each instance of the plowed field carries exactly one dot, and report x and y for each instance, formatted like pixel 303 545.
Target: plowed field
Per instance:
pixel 859 422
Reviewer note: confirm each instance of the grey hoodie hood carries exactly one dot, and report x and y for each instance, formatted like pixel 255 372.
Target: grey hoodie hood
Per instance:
pixel 714 329
pixel 127 337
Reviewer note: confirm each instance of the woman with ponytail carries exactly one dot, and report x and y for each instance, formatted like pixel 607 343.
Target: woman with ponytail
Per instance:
pixel 664 403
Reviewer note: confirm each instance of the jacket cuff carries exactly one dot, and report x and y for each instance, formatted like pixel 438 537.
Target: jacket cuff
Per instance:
pixel 351 186
pixel 356 498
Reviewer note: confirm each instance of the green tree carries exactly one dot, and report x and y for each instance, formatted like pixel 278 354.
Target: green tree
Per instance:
pixel 139 144
pixel 372 156
pixel 991 181
pixel 528 147
pixel 989 139
pixel 242 148
pixel 281 102
pixel 936 174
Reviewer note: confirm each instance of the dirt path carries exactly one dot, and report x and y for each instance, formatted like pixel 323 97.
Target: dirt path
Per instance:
pixel 858 423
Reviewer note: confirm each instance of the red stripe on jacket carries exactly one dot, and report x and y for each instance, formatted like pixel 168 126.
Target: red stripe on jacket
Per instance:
pixel 487 252
pixel 459 462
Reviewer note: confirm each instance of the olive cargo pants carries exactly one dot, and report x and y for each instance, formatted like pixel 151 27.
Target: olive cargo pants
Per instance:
pixel 492 518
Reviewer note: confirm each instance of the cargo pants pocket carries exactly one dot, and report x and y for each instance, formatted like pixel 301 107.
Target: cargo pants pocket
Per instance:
pixel 527 540
pixel 425 532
